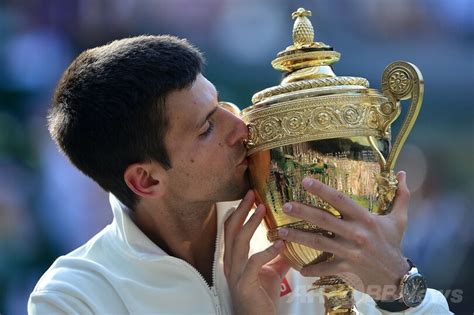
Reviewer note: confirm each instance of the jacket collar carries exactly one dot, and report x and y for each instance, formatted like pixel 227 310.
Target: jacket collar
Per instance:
pixel 136 242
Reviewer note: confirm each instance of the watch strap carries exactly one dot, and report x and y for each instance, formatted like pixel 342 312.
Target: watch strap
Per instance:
pixel 392 306
pixel 397 305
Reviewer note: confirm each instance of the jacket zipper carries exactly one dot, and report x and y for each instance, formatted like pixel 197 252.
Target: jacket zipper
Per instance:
pixel 213 290
pixel 214 272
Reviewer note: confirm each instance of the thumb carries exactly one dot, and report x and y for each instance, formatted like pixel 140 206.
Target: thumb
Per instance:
pixel 281 265
pixel 256 261
pixel 402 199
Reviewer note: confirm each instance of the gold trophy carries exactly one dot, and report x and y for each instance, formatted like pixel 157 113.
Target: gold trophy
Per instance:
pixel 333 128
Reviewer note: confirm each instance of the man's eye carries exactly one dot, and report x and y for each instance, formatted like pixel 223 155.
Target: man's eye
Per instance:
pixel 208 130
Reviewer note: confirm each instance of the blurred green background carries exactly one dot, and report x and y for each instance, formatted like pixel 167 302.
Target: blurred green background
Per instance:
pixel 47 208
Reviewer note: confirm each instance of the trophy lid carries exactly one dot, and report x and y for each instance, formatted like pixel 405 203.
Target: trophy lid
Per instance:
pixel 307 65
pixel 311 102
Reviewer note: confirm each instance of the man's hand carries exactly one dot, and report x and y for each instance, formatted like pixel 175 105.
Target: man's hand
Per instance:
pixel 366 245
pixel 254 281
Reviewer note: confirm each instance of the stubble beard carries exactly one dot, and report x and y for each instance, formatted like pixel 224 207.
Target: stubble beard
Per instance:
pixel 237 189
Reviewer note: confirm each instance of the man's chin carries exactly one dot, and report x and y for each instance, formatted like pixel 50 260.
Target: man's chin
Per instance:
pixel 239 189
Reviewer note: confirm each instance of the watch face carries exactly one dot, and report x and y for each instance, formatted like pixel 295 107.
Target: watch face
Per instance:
pixel 414 290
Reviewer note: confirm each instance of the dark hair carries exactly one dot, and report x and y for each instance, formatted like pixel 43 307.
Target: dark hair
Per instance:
pixel 109 109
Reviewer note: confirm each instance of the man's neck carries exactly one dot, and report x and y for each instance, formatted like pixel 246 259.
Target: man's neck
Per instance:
pixel 186 233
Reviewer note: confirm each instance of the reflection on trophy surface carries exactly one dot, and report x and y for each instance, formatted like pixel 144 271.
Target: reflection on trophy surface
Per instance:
pixel 333 128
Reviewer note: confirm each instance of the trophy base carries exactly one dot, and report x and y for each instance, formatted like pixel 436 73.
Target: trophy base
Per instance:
pixel 338 296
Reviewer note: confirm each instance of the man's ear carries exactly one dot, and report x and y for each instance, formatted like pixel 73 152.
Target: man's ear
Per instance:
pixel 145 179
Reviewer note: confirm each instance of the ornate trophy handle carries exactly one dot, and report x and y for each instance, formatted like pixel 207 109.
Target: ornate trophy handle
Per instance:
pixel 400 81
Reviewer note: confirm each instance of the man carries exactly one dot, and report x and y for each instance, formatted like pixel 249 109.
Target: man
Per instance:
pixel 139 118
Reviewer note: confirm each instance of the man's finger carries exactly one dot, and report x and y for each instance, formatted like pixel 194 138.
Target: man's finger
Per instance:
pixel 315 240
pixel 241 243
pixel 237 219
pixel 341 202
pixel 321 218
pixel 232 225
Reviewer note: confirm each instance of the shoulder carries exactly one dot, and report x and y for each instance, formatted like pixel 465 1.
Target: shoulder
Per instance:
pixel 73 285
pixel 78 282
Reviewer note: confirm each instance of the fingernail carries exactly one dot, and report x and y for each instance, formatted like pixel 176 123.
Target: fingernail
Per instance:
pixel 287 207
pixel 283 231
pixel 308 182
pixel 278 244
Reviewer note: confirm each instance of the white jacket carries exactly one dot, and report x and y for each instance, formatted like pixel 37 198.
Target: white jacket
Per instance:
pixel 121 271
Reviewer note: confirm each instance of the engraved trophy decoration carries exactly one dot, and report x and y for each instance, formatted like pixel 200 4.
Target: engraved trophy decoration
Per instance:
pixel 333 128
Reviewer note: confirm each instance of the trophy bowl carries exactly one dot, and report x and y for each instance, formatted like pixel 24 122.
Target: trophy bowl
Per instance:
pixel 333 128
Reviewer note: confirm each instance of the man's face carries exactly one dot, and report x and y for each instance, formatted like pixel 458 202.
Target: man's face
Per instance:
pixel 204 142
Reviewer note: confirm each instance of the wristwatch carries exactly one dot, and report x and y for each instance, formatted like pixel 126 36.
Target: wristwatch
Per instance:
pixel 412 291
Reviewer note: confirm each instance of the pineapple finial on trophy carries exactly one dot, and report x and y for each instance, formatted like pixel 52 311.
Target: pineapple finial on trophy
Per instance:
pixel 305 58
pixel 303 32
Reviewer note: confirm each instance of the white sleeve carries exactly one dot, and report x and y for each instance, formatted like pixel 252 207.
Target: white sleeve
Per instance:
pixel 49 302
pixel 433 303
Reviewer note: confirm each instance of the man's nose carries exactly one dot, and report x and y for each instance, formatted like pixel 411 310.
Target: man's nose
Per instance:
pixel 238 131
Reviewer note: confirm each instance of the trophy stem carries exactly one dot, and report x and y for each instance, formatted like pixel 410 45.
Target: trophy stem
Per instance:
pixel 338 296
